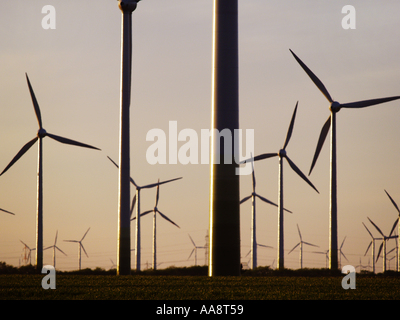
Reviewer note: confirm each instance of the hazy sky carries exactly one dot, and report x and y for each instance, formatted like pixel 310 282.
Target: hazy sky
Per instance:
pixel 75 70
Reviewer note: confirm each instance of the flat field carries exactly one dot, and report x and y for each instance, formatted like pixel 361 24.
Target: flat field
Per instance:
pixel 170 287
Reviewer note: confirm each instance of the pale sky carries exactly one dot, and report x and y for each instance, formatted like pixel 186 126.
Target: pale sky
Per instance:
pixel 75 73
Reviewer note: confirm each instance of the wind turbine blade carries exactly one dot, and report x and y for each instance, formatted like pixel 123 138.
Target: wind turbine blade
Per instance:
pixel 166 218
pixel 298 229
pixel 83 249
pixel 118 168
pixel 369 246
pixel 133 205
pixel 262 245
pixel 380 249
pixel 71 241
pixel 245 199
pixel 24 244
pixel 265 200
pixel 301 174
pixel 20 153
pixel 368 103
pixel 35 103
pixel 294 247
pixel 158 194
pixel 314 78
pixel 85 234
pixel 265 156
pixel 342 243
pixel 191 253
pixel 321 140
pixel 159 183
pixel 379 230
pixel 394 203
pixel 47 248
pixel 191 240
pixel 142 214
pixel 290 130
pixel 310 244
pixel 253 176
pixel 247 253
pixel 394 226
pixel 7 211
pixel 60 250
pixel 69 141
pixel 368 230
pixel 55 240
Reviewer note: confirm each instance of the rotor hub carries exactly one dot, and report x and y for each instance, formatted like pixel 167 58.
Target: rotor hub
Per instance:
pixel 282 153
pixel 41 133
pixel 127 5
pixel 335 106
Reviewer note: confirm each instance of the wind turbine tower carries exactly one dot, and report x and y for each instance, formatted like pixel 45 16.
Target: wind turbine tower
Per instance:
pixel 224 256
pixel 124 225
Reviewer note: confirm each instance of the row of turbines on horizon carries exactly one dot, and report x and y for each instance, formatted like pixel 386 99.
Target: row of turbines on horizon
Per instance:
pixel 224 247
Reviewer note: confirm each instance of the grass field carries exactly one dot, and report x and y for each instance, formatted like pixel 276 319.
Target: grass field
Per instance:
pixel 170 287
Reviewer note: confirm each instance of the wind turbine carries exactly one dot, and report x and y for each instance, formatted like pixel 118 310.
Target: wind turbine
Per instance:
pixel 372 243
pixel 136 201
pixel 80 247
pixel 42 133
pixel 54 246
pixel 301 247
pixel 26 247
pixel 7 211
pixel 155 211
pixel 341 253
pixel 282 154
pixel 253 250
pixel 383 244
pixel 398 239
pixel 331 122
pixel 194 250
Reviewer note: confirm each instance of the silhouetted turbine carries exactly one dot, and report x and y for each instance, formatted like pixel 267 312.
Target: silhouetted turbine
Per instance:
pixel 136 201
pixel 331 122
pixel 301 247
pixel 80 247
pixel 54 246
pixel 282 154
pixel 155 211
pixel 42 133
pixel 253 239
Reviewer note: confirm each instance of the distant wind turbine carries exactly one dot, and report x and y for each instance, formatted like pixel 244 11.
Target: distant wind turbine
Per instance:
pixel 155 211
pixel 136 201
pixel 253 250
pixel 398 239
pixel 40 135
pixel 383 244
pixel 54 246
pixel 372 243
pixel 194 250
pixel 80 247
pixel 331 122
pixel 29 254
pixel 301 247
pixel 282 154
